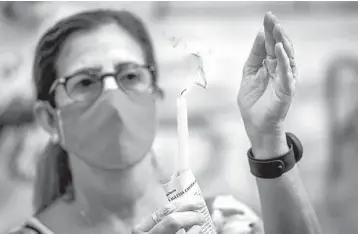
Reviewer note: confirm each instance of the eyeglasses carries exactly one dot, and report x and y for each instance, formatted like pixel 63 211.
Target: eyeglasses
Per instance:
pixel 88 85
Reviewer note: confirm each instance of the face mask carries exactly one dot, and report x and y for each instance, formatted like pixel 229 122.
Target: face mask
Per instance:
pixel 115 132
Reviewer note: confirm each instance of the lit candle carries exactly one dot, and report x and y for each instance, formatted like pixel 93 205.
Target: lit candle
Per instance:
pixel 183 133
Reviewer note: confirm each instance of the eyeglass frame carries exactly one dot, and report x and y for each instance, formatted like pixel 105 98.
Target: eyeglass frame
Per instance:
pixel 63 81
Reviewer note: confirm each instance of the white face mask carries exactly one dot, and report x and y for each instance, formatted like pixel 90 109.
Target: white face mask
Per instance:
pixel 115 132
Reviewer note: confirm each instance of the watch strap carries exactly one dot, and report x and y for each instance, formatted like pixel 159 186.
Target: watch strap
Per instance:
pixel 275 167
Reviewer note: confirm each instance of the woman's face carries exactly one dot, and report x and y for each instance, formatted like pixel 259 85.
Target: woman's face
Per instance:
pixel 116 128
pixel 105 47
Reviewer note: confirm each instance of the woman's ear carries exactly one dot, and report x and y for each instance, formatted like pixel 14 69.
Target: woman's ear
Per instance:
pixel 47 118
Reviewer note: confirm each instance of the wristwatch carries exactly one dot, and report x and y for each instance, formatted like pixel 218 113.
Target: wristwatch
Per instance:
pixel 275 167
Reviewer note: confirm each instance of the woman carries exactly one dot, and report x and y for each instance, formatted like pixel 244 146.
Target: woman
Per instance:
pixel 96 79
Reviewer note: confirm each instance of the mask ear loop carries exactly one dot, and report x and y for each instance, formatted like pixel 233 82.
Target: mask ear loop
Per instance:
pixel 54 114
pixel 60 127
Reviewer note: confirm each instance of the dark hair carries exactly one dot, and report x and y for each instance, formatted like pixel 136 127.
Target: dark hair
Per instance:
pixel 53 173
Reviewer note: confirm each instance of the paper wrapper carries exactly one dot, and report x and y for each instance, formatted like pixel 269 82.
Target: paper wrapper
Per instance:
pixel 185 185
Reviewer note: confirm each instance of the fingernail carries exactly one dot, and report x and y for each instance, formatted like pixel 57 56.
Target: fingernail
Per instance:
pixel 273 16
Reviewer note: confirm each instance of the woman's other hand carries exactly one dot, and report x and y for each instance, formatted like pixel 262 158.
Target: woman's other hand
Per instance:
pixel 267 88
pixel 230 216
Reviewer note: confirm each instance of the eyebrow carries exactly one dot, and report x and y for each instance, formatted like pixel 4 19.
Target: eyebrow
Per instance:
pixel 121 65
pixel 85 70
pixel 118 66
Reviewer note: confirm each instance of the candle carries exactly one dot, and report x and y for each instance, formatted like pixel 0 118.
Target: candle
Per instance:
pixel 183 133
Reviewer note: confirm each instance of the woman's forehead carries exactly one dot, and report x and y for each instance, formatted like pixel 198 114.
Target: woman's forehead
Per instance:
pixel 105 46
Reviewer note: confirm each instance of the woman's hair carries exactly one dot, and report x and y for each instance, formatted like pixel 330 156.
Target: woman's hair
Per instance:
pixel 54 177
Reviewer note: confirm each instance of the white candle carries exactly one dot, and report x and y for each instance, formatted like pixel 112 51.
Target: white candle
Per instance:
pixel 183 133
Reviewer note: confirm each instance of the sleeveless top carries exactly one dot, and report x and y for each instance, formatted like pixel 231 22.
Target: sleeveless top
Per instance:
pixel 229 206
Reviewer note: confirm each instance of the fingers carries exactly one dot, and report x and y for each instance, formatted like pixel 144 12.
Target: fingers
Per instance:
pixel 189 204
pixel 178 220
pixel 269 23
pixel 280 36
pixel 264 45
pixel 238 227
pixel 284 69
pixel 283 61
pixel 182 206
pixel 148 222
pixel 258 52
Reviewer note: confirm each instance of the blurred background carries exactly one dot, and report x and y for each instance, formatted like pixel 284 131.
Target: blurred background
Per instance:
pixel 324 114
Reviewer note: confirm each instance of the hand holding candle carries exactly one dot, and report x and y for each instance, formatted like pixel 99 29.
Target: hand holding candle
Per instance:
pixel 183 183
